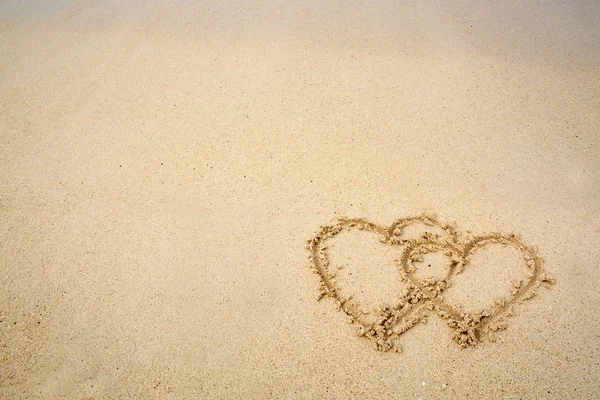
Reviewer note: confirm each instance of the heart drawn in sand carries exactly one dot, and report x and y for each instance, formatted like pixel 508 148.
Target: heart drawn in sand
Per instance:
pixel 421 297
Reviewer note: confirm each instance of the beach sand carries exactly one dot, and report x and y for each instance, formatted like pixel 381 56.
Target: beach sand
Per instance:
pixel 163 165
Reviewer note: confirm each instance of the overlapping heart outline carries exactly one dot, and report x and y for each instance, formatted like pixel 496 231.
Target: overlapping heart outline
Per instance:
pixel 421 297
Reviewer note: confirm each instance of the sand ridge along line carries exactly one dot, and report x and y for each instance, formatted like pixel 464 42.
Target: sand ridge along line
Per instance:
pixel 420 297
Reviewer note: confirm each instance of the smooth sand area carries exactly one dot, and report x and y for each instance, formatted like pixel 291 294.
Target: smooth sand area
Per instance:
pixel 164 163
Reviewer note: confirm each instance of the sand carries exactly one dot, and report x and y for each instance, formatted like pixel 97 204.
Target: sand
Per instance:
pixel 163 165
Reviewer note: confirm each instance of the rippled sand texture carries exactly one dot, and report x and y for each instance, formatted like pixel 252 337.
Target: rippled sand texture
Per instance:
pixel 163 163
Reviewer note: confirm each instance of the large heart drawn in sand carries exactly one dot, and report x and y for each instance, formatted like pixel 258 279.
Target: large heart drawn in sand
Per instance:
pixel 424 296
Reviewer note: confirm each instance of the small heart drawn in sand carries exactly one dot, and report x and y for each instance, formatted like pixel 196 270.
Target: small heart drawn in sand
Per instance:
pixel 423 296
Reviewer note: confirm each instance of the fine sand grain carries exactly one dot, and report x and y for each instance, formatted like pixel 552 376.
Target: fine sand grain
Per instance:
pixel 163 164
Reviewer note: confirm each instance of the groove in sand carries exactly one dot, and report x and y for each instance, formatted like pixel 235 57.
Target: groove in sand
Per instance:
pixel 423 296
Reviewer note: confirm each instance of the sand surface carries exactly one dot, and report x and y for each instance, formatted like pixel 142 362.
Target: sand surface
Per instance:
pixel 163 164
